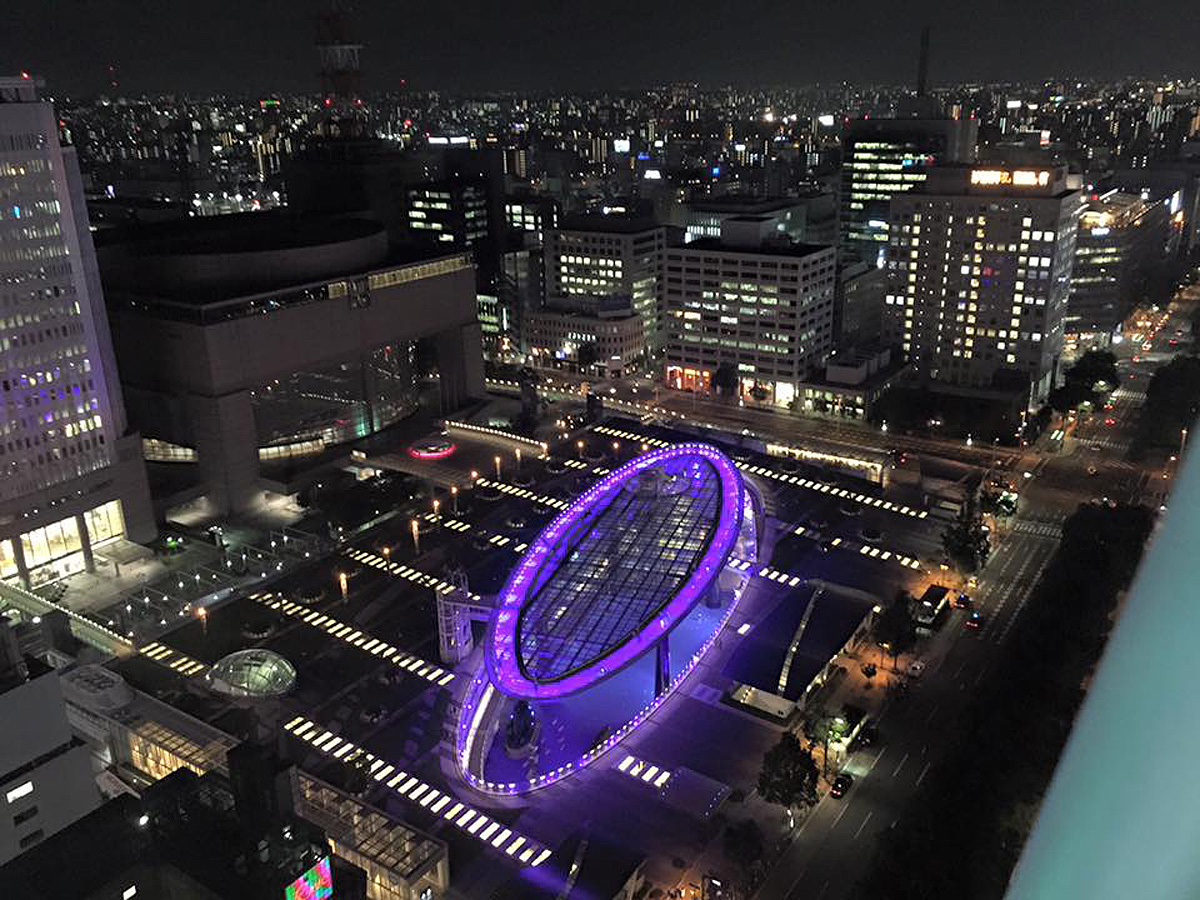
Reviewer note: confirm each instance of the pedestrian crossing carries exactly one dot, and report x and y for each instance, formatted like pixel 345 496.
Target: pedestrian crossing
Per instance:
pixel 173 659
pixel 514 490
pixel 865 549
pixel 408 787
pixel 647 773
pixel 411 665
pixel 824 487
pixel 1038 529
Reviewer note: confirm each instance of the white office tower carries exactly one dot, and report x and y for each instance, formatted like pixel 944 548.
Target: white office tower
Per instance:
pixel 70 477
pixel 979 269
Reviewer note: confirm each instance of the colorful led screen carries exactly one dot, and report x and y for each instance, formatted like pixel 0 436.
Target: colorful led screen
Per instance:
pixel 315 884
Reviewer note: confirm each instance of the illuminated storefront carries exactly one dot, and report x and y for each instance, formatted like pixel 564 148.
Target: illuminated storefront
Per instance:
pixel 61 548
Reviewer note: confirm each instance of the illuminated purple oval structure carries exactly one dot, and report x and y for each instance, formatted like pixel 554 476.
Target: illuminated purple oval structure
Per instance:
pixel 608 610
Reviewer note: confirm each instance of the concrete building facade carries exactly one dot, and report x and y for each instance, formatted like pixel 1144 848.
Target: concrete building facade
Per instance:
pixel 765 309
pixel 71 475
pixel 46 778
pixel 250 338
pixel 979 269
pixel 604 256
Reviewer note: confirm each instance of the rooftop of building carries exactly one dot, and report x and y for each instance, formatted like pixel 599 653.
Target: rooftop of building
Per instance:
pixel 200 261
pixel 21 672
pixel 608 224
pixel 786 650
pixel 251 232
pixel 776 247
pixel 183 822
pixel 735 205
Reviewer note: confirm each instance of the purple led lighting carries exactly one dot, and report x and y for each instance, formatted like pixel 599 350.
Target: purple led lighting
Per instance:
pixel 473 702
pixel 503 655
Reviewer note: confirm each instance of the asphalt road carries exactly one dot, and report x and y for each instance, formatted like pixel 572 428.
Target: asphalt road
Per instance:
pixel 837 840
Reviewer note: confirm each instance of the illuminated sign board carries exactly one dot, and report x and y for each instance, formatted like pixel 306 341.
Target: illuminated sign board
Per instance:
pixel 621 145
pixel 315 884
pixel 1017 177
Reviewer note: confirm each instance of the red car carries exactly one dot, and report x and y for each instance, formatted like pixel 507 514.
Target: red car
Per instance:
pixel 1110 422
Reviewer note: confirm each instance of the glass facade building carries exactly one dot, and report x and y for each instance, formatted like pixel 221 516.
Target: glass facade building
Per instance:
pixel 883 157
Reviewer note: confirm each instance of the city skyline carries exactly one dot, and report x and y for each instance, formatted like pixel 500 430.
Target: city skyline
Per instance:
pixel 179 46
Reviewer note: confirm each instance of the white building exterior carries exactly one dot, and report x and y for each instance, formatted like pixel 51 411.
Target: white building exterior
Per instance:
pixel 765 309
pixel 979 269
pixel 606 256
pixel 70 476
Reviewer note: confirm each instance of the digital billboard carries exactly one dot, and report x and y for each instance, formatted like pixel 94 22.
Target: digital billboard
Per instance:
pixel 315 884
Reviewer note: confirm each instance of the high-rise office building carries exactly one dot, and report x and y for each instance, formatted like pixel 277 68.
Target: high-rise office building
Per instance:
pixel 979 267
pixel 70 476
pixel 763 306
pixel 45 773
pixel 1119 234
pixel 602 256
pixel 885 157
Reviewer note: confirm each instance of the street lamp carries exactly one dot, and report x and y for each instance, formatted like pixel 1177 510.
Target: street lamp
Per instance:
pixel 202 612
pixel 883 427
pixel 616 447
pixel 497 468
pixel 416 536
pixel 1182 441
pixel 344 584
pixel 517 451
pixel 437 505
pixel 579 447
pixel 454 497
pixel 387 552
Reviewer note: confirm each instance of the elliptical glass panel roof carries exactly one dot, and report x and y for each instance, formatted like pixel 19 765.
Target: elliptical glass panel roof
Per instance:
pixel 252 673
pixel 616 568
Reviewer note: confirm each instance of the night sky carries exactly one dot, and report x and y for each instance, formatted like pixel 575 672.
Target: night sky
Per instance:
pixel 261 45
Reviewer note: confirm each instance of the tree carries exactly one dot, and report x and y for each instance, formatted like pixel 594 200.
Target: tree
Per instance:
pixel 894 628
pixel 965 540
pixel 743 843
pixel 725 379
pixel 1095 371
pixel 1096 368
pixel 789 775
pixel 587 357
pixel 1172 400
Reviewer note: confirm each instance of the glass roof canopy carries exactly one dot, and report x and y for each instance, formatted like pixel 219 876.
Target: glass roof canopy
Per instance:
pixel 617 566
pixel 616 571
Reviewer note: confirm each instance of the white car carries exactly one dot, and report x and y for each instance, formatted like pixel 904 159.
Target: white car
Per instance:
pixel 915 668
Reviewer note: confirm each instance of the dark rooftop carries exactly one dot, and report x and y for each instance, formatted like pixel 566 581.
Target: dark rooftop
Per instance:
pixel 237 233
pixel 759 659
pixel 614 224
pixel 777 247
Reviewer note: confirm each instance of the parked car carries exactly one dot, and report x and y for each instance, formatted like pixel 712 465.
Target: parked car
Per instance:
pixel 916 668
pixel 841 784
